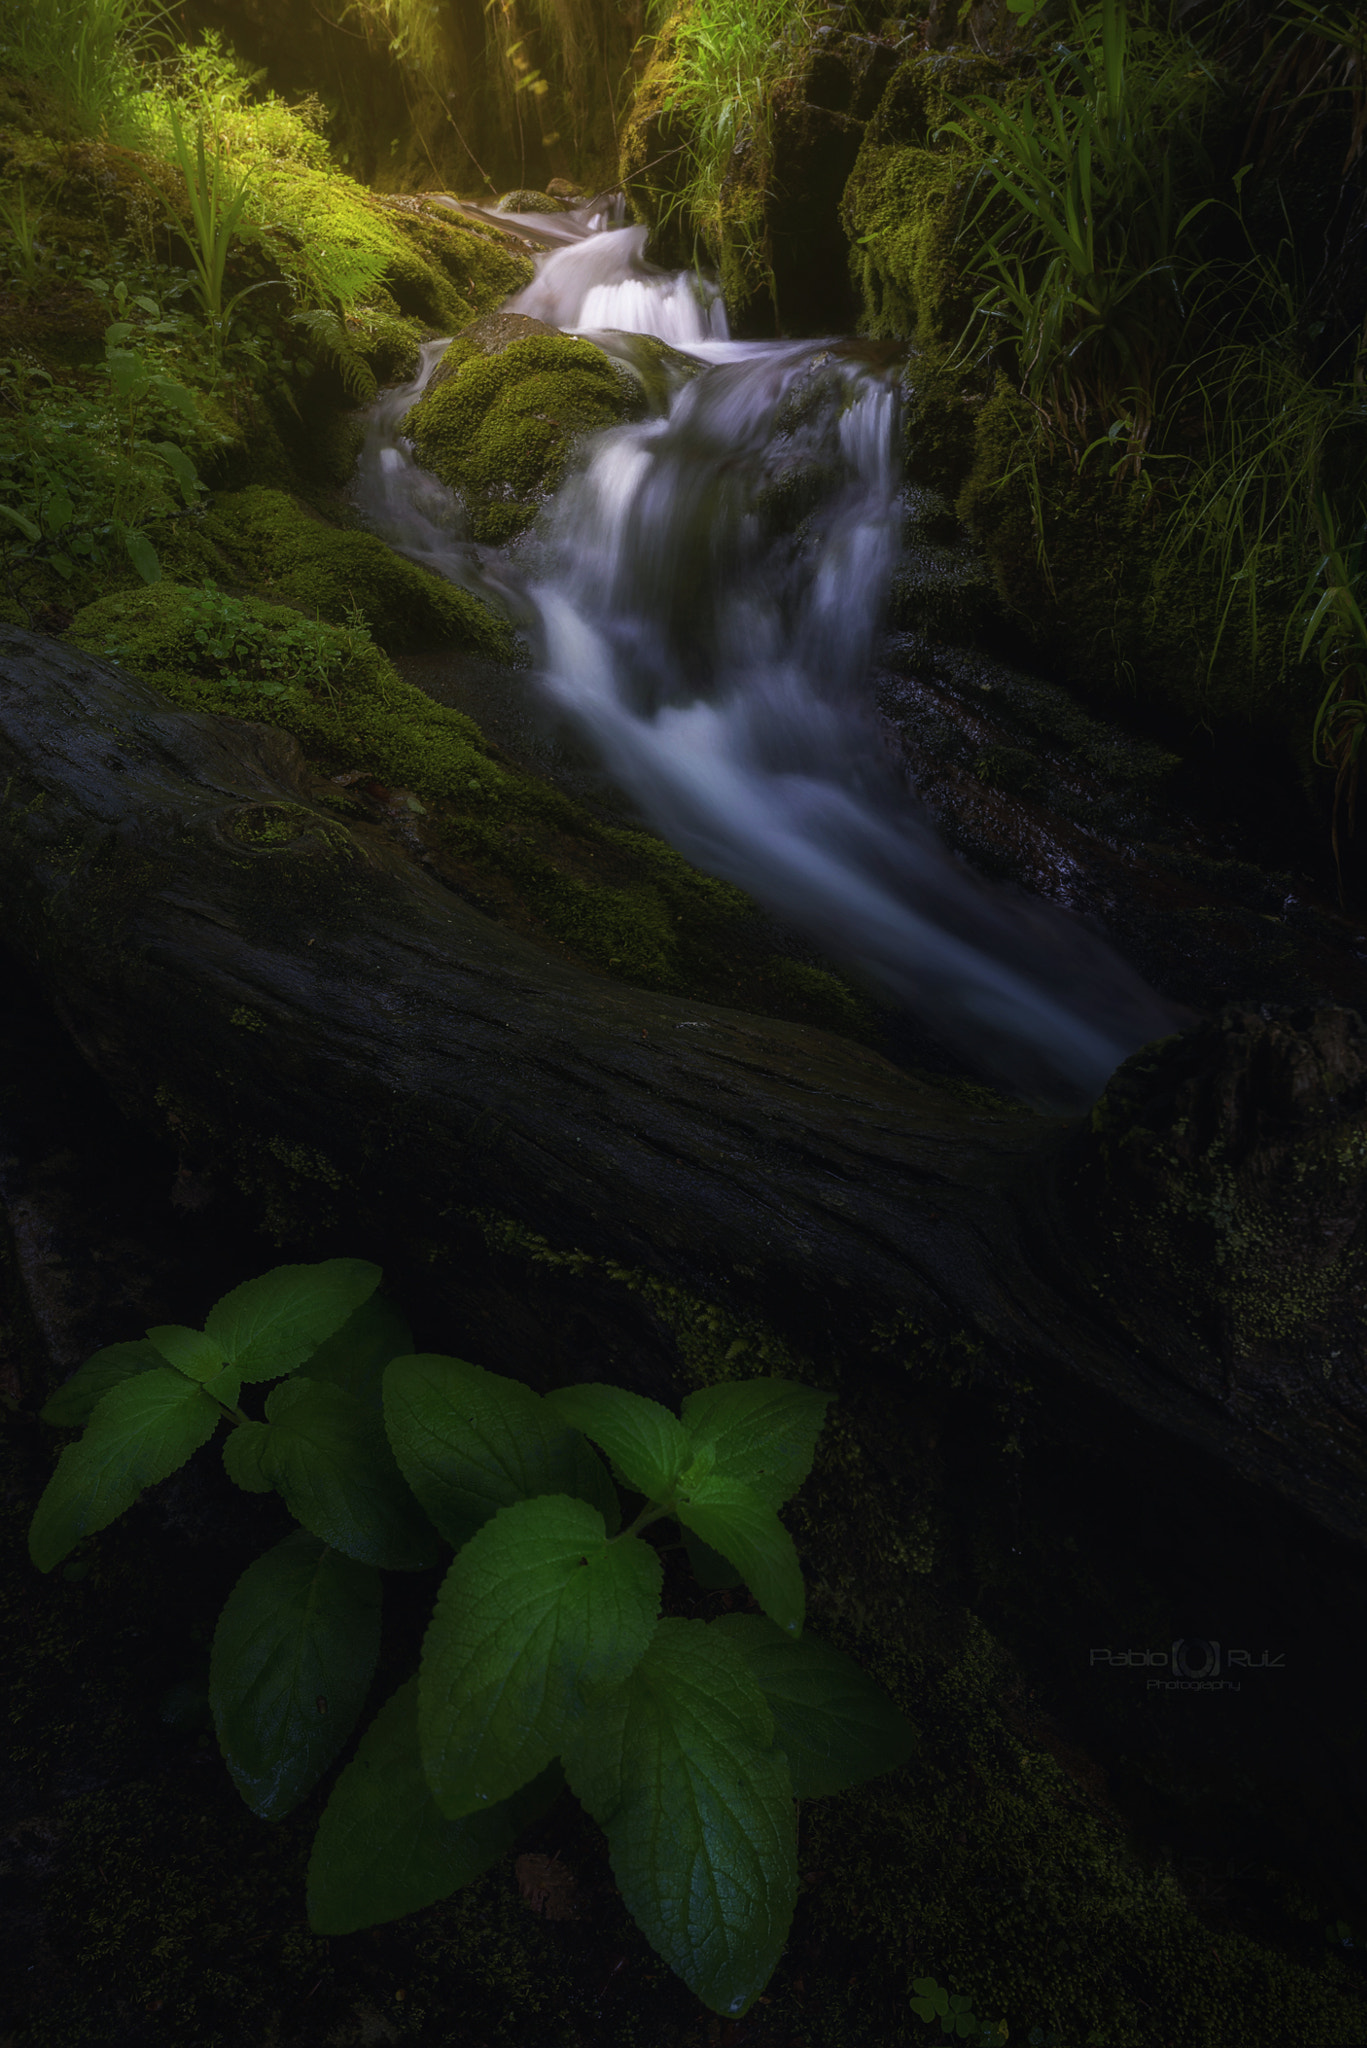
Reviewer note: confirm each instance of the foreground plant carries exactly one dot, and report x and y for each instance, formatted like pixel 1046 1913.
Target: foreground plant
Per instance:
pixel 546 1659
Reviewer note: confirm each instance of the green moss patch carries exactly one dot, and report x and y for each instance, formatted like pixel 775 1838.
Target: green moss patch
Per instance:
pixel 500 428
pixel 265 542
pixel 617 900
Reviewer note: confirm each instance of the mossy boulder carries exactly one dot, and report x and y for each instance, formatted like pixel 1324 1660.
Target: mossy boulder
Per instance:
pixel 616 900
pixel 501 428
pixel 526 201
pixel 264 541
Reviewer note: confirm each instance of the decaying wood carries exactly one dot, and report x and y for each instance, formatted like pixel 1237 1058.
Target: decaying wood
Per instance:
pixel 225 952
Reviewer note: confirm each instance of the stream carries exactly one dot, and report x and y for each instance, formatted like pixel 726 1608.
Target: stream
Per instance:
pixel 717 660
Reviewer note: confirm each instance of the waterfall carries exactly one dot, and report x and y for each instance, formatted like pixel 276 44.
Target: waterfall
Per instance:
pixel 707 595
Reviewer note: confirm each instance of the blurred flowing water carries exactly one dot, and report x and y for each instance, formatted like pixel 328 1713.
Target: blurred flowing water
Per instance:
pixel 704 598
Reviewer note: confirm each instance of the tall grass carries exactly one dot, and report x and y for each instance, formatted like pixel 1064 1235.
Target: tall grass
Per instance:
pixel 1087 252
pixel 726 58
pixel 88 52
pixel 1336 630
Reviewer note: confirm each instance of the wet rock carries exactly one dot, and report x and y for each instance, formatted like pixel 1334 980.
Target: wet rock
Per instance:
pixel 1232 1161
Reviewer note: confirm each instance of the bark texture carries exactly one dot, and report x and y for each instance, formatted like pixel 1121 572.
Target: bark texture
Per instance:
pixel 292 994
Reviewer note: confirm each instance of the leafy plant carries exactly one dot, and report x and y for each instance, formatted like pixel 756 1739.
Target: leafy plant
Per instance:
pixel 952 2011
pixel 218 205
pixel 73 491
pixel 1091 262
pixel 727 57
pixel 25 253
pixel 327 333
pixel 546 1660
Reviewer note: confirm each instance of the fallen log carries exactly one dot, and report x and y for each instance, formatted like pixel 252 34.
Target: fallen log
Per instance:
pixel 293 995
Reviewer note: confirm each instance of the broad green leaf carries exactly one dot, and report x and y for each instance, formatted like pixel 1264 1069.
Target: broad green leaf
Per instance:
pixel 189 1351
pixel 762 1432
pixel 678 1769
pixel 834 1723
pixel 470 1442
pixel 70 1407
pixel 750 1536
pixel 537 1613
pixel 710 1568
pixel 294 1653
pixel 23 522
pixel 180 466
pixel 141 1431
pixel 224 1386
pixel 356 1356
pixel 384 1847
pixel 327 1457
pixel 142 555
pixel 269 1326
pixel 649 1446
pixel 244 1454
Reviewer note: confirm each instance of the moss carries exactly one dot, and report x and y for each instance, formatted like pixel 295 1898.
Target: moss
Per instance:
pixel 905 201
pixel 266 542
pixel 621 901
pixel 500 428
pixel 1077 558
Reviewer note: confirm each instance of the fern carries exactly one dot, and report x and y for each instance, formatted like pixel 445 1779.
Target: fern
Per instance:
pixel 331 344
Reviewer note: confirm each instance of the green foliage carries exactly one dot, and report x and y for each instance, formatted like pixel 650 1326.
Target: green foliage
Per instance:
pixel 725 58
pixel 688 1742
pixel 954 2014
pixel 77 490
pixel 255 651
pixel 1336 630
pixel 294 1653
pixel 87 51
pixel 23 257
pixel 1090 263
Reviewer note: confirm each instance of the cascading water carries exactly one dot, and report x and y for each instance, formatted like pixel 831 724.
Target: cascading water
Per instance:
pixel 707 595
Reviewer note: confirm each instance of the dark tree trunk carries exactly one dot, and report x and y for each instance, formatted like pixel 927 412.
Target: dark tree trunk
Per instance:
pixel 295 998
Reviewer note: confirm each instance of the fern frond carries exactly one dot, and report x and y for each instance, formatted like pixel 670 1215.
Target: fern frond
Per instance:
pixel 332 344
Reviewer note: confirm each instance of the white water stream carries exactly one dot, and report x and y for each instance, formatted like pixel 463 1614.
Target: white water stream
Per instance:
pixel 718 663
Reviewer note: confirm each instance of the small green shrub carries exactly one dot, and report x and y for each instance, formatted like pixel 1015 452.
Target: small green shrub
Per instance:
pixel 547 1659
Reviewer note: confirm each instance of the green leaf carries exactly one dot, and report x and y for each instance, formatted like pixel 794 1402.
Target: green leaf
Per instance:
pixel 189 1351
pixel 710 1568
pixel 70 1407
pixel 181 468
pixel 762 1432
pixel 269 1326
pixel 142 555
pixel 649 1446
pixel 678 1769
pixel 244 1456
pixel 384 1848
pixel 834 1723
pixel 470 1442
pixel 22 521
pixel 537 1613
pixel 141 1431
pixel 750 1535
pixel 355 1357
pixel 326 1455
pixel 294 1653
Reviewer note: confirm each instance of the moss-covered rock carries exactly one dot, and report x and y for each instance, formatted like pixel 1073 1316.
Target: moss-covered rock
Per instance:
pixel 527 201
pixel 618 900
pixel 266 542
pixel 500 428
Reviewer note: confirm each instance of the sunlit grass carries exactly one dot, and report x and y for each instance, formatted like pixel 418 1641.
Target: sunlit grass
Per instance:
pixel 727 57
